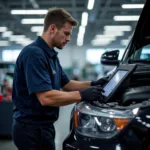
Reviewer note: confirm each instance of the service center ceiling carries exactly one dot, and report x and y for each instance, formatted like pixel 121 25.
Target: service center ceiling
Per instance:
pixel 98 28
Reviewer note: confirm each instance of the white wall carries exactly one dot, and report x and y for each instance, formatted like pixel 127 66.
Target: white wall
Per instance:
pixel 69 54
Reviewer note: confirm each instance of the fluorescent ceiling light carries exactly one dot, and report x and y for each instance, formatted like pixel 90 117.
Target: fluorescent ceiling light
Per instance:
pixel 37 28
pixel 3 29
pixel 80 36
pixel 120 28
pixel 4 43
pixel 80 43
pixel 104 36
pixel 7 34
pixel 132 6
pixel 16 37
pixel 25 43
pixel 23 40
pixel 29 12
pixel 103 40
pixel 126 18
pixel 114 33
pixel 80 39
pixel 84 19
pixel 32 21
pixel 81 29
pixel 124 42
pixel 90 4
pixel 98 43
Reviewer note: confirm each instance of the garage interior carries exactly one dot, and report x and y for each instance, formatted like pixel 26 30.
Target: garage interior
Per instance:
pixel 102 25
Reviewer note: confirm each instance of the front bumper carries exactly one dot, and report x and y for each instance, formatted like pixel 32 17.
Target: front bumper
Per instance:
pixel 73 142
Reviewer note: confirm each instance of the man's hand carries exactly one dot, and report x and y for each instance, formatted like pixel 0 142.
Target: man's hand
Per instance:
pixel 92 93
pixel 100 81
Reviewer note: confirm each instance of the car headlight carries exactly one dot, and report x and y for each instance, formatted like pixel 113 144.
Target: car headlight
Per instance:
pixel 100 122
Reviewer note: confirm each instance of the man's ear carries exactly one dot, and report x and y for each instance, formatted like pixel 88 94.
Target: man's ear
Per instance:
pixel 53 28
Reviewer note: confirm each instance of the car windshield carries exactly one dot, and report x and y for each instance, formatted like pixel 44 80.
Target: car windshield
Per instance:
pixel 141 55
pixel 140 45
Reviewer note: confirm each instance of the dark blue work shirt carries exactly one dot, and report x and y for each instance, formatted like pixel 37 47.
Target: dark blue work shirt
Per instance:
pixel 37 69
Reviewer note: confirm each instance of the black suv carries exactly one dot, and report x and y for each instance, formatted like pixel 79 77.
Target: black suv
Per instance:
pixel 123 123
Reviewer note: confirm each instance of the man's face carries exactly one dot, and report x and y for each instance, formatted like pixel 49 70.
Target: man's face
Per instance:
pixel 62 36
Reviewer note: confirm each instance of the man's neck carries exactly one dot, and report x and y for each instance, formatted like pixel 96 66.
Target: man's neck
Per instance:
pixel 47 40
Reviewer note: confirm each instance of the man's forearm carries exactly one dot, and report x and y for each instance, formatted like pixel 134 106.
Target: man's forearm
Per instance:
pixel 58 98
pixel 76 85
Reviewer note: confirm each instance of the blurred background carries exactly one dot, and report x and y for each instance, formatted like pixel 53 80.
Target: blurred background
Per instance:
pixel 103 25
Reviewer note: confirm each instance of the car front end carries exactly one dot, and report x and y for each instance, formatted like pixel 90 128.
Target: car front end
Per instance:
pixel 99 126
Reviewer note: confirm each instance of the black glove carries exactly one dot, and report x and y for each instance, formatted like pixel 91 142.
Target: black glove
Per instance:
pixel 100 81
pixel 92 93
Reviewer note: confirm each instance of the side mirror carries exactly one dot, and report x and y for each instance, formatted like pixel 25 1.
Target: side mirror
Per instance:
pixel 110 58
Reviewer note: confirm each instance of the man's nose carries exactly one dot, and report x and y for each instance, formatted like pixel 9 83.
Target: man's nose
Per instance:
pixel 68 38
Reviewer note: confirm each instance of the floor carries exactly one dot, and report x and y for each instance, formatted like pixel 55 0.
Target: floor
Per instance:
pixel 61 126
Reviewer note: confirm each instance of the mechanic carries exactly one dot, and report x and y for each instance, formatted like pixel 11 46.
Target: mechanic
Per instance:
pixel 40 85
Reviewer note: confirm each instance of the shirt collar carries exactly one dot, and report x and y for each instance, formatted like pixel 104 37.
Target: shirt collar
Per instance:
pixel 45 47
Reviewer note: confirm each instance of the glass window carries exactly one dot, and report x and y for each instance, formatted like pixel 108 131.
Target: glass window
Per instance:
pixel 142 54
pixel 10 55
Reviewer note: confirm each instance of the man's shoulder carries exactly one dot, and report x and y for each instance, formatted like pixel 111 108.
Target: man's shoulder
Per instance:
pixel 32 49
pixel 30 52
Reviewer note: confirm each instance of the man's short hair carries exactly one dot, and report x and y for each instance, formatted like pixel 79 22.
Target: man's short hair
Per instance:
pixel 59 17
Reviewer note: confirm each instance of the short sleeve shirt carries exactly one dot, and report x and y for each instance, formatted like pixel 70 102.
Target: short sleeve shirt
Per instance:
pixel 37 69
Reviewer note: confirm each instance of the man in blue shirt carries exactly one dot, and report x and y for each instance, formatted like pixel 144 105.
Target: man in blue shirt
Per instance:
pixel 38 80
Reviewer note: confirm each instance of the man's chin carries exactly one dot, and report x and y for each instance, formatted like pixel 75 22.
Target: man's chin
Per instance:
pixel 60 47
